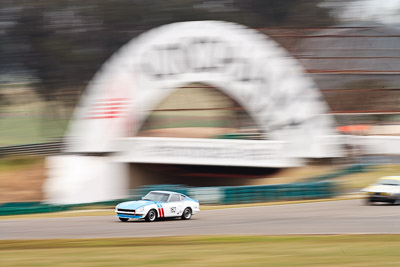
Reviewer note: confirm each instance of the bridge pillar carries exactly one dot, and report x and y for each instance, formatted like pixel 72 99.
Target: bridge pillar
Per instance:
pixel 83 179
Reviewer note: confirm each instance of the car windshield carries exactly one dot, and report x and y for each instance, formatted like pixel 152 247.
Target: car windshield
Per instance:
pixel 154 196
pixel 388 182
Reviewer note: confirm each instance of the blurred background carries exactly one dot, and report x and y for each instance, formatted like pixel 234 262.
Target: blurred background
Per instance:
pixel 49 50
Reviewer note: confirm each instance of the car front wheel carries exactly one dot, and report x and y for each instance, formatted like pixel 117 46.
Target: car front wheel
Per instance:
pixel 395 202
pixel 187 214
pixel 151 216
pixel 368 201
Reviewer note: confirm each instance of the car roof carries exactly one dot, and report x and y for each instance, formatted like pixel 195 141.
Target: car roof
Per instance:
pixel 390 177
pixel 165 192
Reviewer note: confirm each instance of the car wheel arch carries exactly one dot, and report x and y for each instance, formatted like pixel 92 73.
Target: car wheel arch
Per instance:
pixel 148 218
pixel 184 216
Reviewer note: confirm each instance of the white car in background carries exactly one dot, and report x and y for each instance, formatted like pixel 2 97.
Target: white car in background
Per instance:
pixel 158 204
pixel 385 189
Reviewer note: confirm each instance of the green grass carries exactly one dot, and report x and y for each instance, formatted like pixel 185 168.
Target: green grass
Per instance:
pixel 338 250
pixel 159 120
pixel 13 163
pixel 30 130
pixel 360 180
pixel 32 122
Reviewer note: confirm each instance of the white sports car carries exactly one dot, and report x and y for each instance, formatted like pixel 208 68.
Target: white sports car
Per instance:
pixel 385 189
pixel 158 204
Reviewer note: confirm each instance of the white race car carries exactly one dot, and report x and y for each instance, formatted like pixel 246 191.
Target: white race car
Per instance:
pixel 158 204
pixel 385 189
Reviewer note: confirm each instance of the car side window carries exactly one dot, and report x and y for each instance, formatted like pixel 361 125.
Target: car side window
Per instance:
pixel 183 198
pixel 175 198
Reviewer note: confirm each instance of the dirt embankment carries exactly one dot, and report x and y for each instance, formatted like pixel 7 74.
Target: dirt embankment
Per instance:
pixel 23 183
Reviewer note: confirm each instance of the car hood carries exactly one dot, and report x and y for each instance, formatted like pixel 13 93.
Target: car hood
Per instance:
pixel 135 204
pixel 381 189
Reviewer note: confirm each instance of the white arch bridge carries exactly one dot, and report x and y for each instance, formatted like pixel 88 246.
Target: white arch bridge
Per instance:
pixel 242 63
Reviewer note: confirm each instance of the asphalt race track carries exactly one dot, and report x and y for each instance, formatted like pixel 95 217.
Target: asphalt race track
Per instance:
pixel 330 217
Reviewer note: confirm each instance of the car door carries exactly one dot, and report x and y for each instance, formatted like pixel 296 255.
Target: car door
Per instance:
pixel 174 206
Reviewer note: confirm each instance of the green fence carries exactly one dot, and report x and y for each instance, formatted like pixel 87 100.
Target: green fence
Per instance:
pixel 16 208
pixel 321 186
pixel 350 169
pixel 250 194
pixel 263 193
pixel 215 195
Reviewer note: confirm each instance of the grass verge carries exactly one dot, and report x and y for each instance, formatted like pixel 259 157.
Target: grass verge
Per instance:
pixel 336 250
pixel 13 163
pixel 360 180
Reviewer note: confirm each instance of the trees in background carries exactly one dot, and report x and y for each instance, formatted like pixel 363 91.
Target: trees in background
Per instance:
pixel 61 44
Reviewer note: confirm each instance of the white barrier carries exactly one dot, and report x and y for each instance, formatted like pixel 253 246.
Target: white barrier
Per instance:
pixel 375 145
pixel 83 179
pixel 202 151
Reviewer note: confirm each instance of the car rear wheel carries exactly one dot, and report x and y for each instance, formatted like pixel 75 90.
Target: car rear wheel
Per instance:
pixel 151 216
pixel 123 219
pixel 187 214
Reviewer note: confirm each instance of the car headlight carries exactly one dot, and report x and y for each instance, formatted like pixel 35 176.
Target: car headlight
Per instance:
pixel 141 209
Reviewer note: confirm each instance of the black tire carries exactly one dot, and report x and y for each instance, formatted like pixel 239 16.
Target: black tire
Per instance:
pixel 123 219
pixel 187 214
pixel 151 216
pixel 393 202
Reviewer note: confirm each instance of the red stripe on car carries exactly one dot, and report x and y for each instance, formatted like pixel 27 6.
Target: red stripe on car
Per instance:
pixel 159 212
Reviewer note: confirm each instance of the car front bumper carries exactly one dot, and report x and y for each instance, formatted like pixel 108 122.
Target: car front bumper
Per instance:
pixel 383 197
pixel 131 216
pixel 195 210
